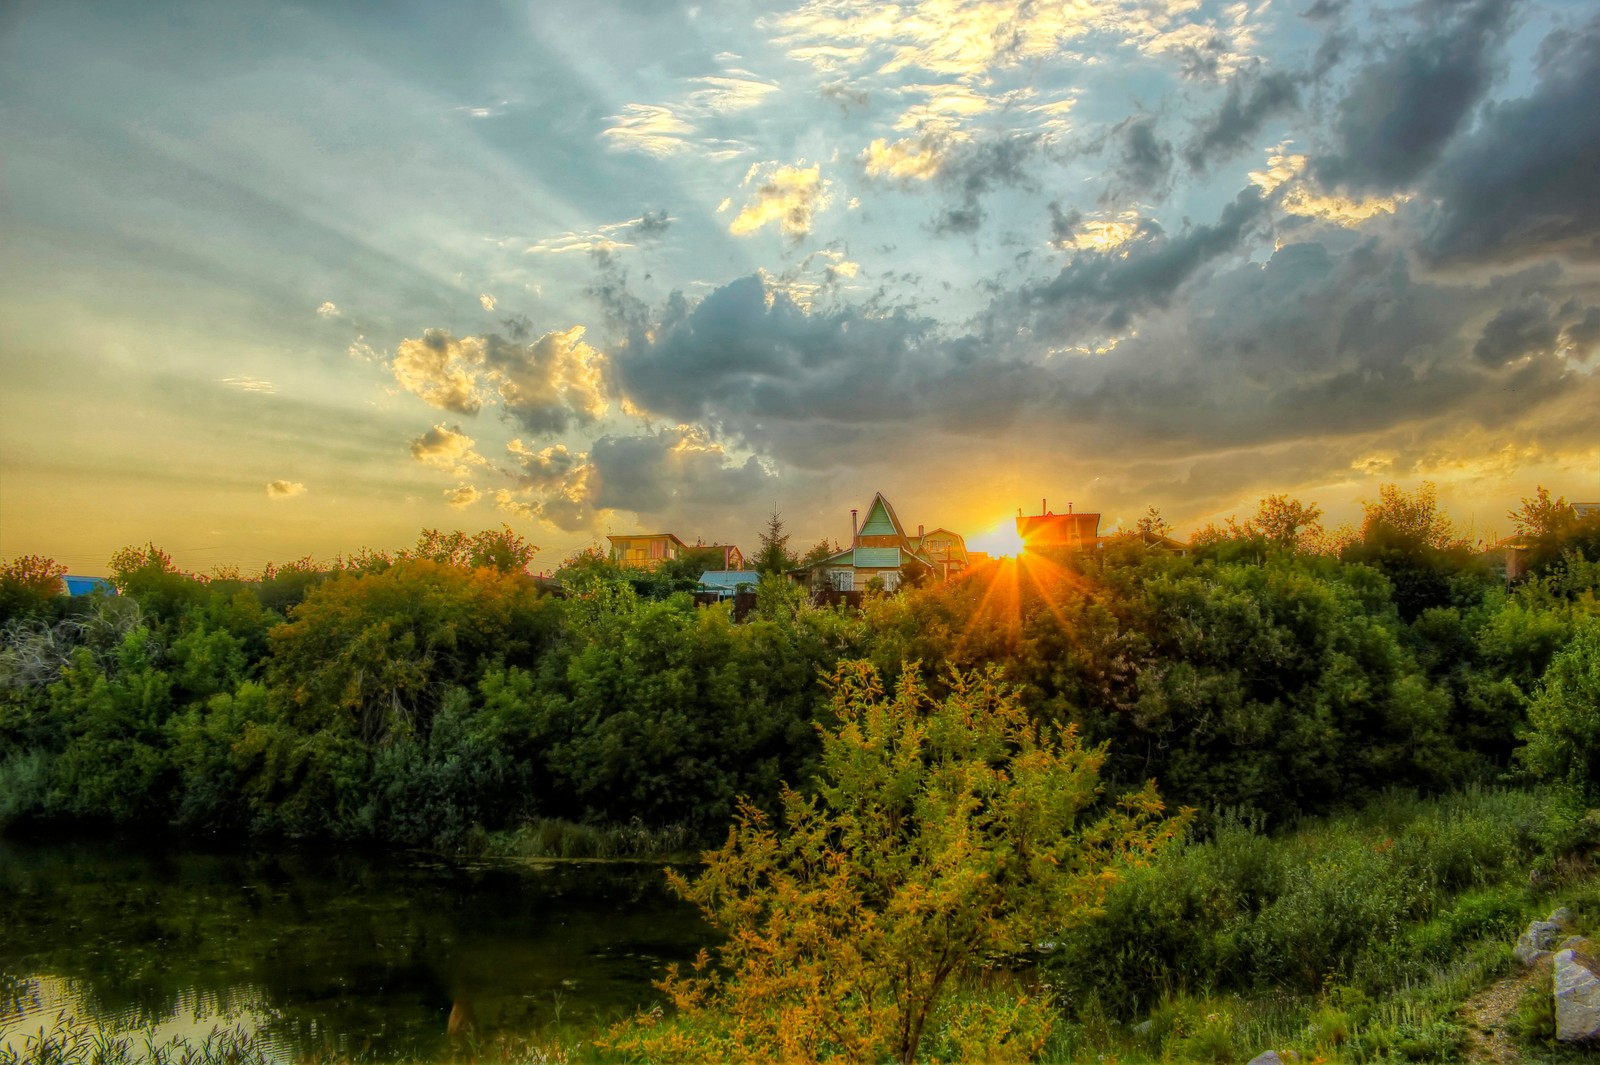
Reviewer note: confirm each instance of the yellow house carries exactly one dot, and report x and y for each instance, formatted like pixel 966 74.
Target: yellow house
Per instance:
pixel 646 550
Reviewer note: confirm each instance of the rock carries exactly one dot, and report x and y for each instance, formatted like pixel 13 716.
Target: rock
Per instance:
pixel 1577 992
pixel 1580 944
pixel 1561 917
pixel 1533 943
pixel 1272 1057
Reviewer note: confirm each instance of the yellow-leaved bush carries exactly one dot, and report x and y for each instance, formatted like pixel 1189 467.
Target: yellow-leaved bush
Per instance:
pixel 943 833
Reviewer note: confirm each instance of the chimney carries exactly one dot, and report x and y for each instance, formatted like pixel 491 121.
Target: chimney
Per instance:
pixel 1043 508
pixel 919 532
pixel 1069 507
pixel 855 531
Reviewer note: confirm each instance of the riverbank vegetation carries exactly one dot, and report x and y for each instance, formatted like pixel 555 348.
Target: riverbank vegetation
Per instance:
pixel 1390 754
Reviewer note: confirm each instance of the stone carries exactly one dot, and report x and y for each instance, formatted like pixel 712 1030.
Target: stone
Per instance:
pixel 1577 992
pixel 1272 1057
pixel 1562 918
pixel 1534 943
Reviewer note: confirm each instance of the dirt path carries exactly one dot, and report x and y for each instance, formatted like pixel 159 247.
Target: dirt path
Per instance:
pixel 1488 1013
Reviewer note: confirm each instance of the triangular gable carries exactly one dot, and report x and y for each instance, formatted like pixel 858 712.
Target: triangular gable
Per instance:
pixel 881 519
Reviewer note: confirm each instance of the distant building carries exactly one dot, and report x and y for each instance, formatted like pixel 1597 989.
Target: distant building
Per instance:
pixel 1058 532
pixel 732 557
pixel 87 585
pixel 646 550
pixel 945 549
pixel 1584 510
pixel 725 583
pixel 880 549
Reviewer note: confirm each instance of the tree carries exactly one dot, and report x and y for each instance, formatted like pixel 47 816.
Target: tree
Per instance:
pixel 27 584
pixel 774 556
pixel 1152 525
pixel 1542 518
pixel 1287 522
pixel 1563 742
pixel 942 834
pixel 1409 519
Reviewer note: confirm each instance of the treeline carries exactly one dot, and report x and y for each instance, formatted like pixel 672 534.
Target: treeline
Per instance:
pixel 432 695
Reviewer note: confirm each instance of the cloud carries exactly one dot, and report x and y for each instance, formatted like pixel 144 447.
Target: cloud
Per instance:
pixel 676 467
pixel 1241 116
pixel 447 448
pixel 546 468
pixel 1103 290
pixel 284 489
pixel 1402 109
pixel 251 384
pixel 487 301
pixel 1517 331
pixel 462 495
pixel 786 195
pixel 441 370
pixel 653 129
pixel 552 384
pixel 1145 160
pixel 328 310
pixel 650 224
pixel 1523 184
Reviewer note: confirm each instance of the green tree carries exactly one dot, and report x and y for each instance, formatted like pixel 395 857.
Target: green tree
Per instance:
pixel 773 556
pixel 1563 743
pixel 942 833
pixel 1542 518
pixel 27 585
pixel 1288 523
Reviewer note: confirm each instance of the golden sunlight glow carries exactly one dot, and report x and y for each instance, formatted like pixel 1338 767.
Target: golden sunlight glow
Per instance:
pixel 1000 540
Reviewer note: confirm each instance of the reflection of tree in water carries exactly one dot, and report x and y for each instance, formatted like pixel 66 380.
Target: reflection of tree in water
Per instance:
pixel 18 996
pixel 358 951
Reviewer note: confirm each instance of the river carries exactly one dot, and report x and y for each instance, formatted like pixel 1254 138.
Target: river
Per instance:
pixel 360 952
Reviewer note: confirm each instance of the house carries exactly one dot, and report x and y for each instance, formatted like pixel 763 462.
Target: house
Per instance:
pixel 946 549
pixel 732 557
pixel 646 550
pixel 1058 532
pixel 725 583
pixel 879 548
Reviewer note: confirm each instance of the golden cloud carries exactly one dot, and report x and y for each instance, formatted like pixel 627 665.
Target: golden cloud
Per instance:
pixel 284 489
pixel 786 195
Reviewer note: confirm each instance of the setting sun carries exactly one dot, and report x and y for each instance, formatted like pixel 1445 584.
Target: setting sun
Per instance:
pixel 999 540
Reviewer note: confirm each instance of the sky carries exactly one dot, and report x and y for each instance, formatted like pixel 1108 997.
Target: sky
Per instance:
pixel 281 280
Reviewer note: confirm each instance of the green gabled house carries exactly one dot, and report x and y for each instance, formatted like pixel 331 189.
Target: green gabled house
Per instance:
pixel 879 547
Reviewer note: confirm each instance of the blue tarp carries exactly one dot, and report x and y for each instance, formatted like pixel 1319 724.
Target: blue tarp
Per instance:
pixel 88 585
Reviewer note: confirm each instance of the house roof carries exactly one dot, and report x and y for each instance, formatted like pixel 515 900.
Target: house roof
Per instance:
pixel 873 558
pixel 881 519
pixel 728 579
pixel 646 536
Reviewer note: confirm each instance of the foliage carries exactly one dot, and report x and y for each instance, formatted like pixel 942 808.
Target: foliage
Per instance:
pixel 503 551
pixel 1408 518
pixel 943 833
pixel 774 555
pixel 27 584
pixel 1564 718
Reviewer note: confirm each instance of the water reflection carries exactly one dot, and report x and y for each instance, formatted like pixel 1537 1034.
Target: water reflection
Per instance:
pixel 378 954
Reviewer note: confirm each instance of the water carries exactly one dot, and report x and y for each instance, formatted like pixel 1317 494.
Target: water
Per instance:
pixel 360 952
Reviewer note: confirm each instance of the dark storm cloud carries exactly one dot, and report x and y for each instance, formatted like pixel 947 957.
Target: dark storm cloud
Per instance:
pixel 1144 160
pixel 739 353
pixel 1583 335
pixel 675 466
pixel 1402 109
pixel 1063 225
pixel 1106 289
pixel 972 171
pixel 1250 101
pixel 1516 331
pixel 1524 183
